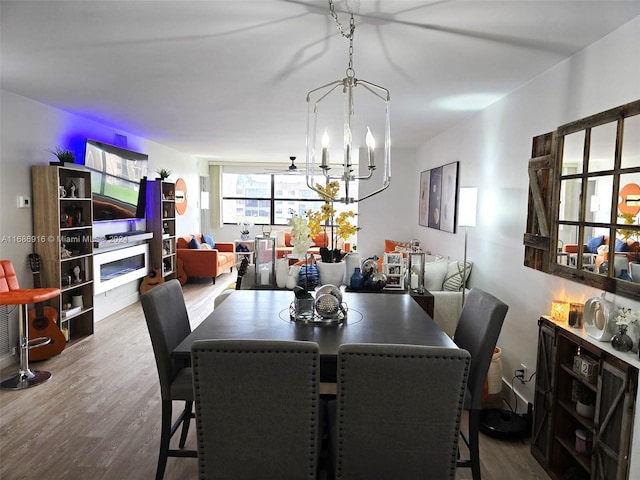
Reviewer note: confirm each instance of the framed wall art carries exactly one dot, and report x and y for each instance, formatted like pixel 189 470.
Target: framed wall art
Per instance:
pixel 438 197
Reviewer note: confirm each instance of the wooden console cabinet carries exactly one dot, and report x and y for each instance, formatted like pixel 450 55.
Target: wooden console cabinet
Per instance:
pixel 613 384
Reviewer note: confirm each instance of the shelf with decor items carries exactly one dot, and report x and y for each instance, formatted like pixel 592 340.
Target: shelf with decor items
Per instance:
pixel 161 221
pixel 242 249
pixel 584 403
pixel 63 227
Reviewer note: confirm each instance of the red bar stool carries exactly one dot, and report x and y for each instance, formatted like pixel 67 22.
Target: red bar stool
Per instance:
pixel 12 294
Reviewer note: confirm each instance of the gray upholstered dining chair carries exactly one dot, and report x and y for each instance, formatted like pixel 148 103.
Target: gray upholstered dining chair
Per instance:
pixel 257 409
pixel 168 324
pixel 477 332
pixel 398 411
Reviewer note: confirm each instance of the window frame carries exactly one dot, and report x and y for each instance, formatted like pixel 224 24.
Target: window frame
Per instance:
pixel 272 199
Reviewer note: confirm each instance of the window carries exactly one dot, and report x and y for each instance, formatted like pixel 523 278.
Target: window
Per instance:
pixel 268 198
pixel 586 175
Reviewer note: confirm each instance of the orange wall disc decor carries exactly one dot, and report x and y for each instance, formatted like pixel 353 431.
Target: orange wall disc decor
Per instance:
pixel 181 196
pixel 629 201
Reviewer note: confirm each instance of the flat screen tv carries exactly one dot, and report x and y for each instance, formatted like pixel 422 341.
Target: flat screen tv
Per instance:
pixel 117 175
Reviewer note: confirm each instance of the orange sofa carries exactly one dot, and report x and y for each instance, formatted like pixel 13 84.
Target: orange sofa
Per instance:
pixel 319 241
pixel 205 263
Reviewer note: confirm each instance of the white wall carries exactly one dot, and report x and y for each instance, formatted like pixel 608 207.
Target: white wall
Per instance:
pixel 390 214
pixel 493 148
pixel 29 130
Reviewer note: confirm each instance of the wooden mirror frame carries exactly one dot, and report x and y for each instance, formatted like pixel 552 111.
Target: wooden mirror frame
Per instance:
pixel 544 217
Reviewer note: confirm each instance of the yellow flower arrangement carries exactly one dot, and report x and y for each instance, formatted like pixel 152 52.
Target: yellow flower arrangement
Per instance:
pixel 629 219
pixel 327 214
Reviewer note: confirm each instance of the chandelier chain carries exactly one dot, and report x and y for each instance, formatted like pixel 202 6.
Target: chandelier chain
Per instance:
pixel 352 25
pixel 352 28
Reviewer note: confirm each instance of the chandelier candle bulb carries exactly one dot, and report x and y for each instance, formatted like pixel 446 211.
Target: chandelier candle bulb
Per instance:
pixel 347 150
pixel 325 150
pixel 371 145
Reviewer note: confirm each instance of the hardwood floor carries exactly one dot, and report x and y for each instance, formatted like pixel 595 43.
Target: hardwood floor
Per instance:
pixel 99 416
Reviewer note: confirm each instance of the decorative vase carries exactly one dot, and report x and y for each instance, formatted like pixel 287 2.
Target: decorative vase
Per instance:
pixel 620 263
pixel 352 261
pixel 356 279
pixel 308 277
pixel 331 273
pixel 244 236
pixel 624 275
pixel 634 272
pixel 304 308
pixel 621 341
pixel 292 278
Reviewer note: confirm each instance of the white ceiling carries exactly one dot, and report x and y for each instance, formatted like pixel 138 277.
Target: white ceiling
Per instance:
pixel 227 79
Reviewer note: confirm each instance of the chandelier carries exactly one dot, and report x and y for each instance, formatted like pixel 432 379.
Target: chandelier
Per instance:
pixel 331 114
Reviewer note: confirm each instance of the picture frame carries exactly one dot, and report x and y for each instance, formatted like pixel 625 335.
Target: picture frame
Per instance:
pixel 393 258
pixel 437 203
pixel 395 282
pixel 394 269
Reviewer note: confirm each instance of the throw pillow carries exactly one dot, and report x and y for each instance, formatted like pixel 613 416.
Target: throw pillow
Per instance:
pixel 453 280
pixel 280 239
pixel 594 242
pixel 205 246
pixel 194 244
pixel 434 273
pixel 621 246
pixel 208 239
pixel 391 245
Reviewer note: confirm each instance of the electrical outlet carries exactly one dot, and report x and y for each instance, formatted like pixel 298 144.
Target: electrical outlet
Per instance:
pixel 521 373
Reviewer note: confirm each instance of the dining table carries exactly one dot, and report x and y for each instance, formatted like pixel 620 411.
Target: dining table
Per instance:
pixel 371 317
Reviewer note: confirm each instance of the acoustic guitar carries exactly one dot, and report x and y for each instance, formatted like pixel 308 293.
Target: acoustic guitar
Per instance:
pixel 151 280
pixel 43 321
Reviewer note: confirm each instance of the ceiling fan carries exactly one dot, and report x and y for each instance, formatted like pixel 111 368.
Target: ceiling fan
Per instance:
pixel 291 169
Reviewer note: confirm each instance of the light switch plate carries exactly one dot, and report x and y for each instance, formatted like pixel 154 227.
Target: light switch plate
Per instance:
pixel 24 201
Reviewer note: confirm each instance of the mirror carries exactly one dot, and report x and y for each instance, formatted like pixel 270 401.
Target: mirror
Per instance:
pixel 598 216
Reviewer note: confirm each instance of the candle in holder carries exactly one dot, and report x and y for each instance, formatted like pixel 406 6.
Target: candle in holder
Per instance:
pixel 560 310
pixel 575 314
pixel 264 275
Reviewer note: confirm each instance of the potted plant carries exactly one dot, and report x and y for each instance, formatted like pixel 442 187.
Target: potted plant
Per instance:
pixel 64 155
pixel 163 173
pixel 326 216
pixel 586 404
pixel 244 229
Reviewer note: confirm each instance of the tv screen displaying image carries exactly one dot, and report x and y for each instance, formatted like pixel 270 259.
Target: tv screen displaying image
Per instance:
pixel 116 176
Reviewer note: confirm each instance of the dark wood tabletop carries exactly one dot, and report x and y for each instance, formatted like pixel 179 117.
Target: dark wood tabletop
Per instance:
pixel 371 318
